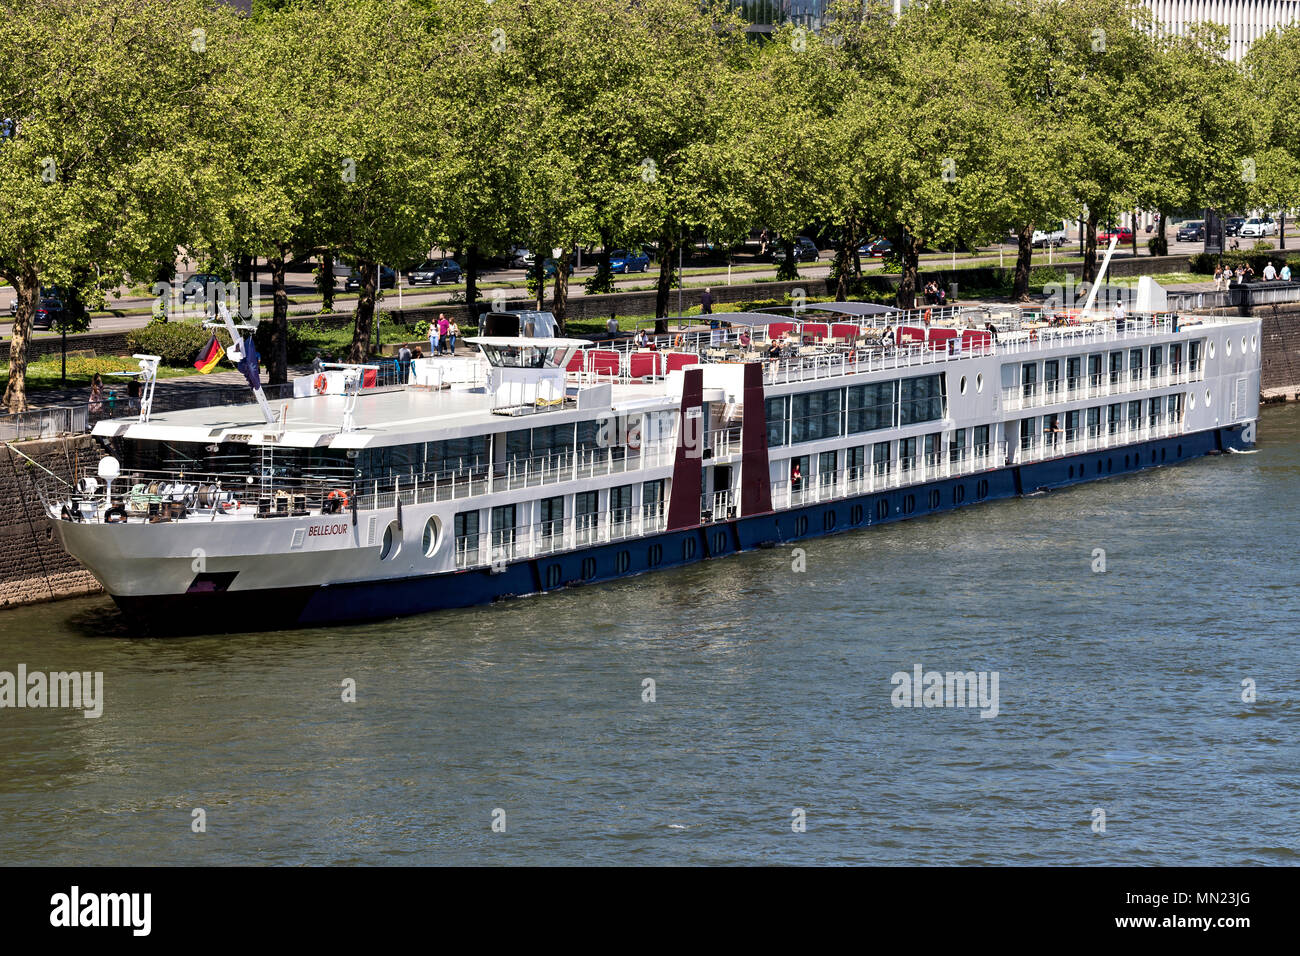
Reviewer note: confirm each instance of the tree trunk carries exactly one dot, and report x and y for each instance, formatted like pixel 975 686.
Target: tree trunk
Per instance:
pixel 27 288
pixel 665 284
pixel 560 297
pixel 911 259
pixel 1090 249
pixel 1164 240
pixel 1135 234
pixel 325 282
pixel 842 262
pixel 603 281
pixel 471 280
pixel 539 280
pixel 277 358
pixel 788 271
pixel 1024 260
pixel 1281 230
pixel 364 317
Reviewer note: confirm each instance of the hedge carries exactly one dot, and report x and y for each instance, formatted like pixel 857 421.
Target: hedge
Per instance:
pixel 1203 263
pixel 176 343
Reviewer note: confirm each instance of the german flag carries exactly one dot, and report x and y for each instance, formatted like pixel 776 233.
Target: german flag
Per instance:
pixel 209 356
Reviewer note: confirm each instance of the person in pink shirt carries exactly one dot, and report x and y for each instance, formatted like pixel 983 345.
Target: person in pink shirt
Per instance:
pixel 443 327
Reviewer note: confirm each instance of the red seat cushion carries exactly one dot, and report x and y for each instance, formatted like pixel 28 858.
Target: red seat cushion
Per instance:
pixel 678 360
pixel 843 330
pixel 641 364
pixel 777 329
pixel 604 362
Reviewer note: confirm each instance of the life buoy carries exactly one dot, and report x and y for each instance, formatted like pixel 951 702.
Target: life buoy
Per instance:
pixel 320 384
pixel 337 500
pixel 229 506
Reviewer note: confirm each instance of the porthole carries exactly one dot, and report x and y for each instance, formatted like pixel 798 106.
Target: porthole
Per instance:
pixel 979 382
pixel 1227 347
pixel 1162 453
pixel 958 494
pixel 855 514
pixel 962 385
pixel 1109 463
pixel 432 535
pixel 392 542
pixel 588 568
pixel 1243 345
pixel 655 555
pixel 934 499
pixel 801 525
pixel 553 575
pixel 882 509
pixel 1179 451
pixel 719 541
pixel 1191 401
pixel 982 489
pixel 1211 350
pixel 828 520
pixel 1099 466
pixel 622 561
pixel 1126 461
pixel 909 504
pixel 1072 471
pixel 1254 343
pixel 1207 398
pixel 688 549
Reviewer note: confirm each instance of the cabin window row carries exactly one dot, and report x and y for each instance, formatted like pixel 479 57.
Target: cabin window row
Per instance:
pixel 812 416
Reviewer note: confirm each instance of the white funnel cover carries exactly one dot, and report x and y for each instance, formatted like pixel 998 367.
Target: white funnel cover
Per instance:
pixel 1151 296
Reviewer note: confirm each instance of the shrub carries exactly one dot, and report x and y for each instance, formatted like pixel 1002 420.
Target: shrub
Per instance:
pixel 1203 263
pixel 1158 246
pixel 176 343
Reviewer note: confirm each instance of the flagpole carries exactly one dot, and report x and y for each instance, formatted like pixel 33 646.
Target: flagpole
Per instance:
pixel 237 352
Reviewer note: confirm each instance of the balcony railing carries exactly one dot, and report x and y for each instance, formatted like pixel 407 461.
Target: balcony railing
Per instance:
pixel 1046 394
pixel 504 545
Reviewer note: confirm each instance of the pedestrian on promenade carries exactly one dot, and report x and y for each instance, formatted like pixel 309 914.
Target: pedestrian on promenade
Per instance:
pixel 1285 274
pixel 96 403
pixel 611 326
pixel 404 363
pixel 433 335
pixel 1269 272
pixel 453 332
pixel 317 364
pixel 1218 277
pixel 444 329
pixel 706 303
pixel 762 242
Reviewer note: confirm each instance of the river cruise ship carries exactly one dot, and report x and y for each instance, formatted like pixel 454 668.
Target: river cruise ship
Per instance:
pixel 536 463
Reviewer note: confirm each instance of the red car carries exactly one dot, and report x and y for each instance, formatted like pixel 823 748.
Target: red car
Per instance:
pixel 1124 232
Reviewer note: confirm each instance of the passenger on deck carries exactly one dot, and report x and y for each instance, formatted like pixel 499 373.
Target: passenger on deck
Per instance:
pixel 642 340
pixel 992 330
pixel 744 338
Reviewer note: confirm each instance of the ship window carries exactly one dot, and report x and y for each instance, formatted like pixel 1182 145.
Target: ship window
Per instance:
pixel 775 409
pixel 432 535
pixel 392 542
pixel 551 516
pixel 814 415
pixel 921 399
pixel 466 528
pixel 620 504
pixel 871 406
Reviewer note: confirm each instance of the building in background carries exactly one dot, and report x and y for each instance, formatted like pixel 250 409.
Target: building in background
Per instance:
pixel 1246 20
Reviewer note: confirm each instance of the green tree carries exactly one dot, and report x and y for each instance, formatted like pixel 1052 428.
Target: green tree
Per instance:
pixel 107 161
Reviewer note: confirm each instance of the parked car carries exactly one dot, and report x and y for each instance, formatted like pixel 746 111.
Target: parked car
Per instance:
pixel 1257 226
pixel 623 261
pixel 1191 231
pixel 1125 234
pixel 1054 237
pixel 48 311
pixel 521 258
pixel 196 286
pixel 805 250
pixel 876 248
pixel 435 272
pixel 551 266
pixel 387 279
pixel 1232 225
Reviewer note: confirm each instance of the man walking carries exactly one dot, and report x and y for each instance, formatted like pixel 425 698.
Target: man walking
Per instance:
pixel 706 303
pixel 444 329
pixel 404 363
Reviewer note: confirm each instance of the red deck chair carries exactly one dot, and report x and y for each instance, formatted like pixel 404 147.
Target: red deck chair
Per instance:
pixel 939 338
pixel 577 361
pixel 975 340
pixel 644 364
pixel 910 333
pixel 812 331
pixel 370 378
pixel 604 362
pixel 678 360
